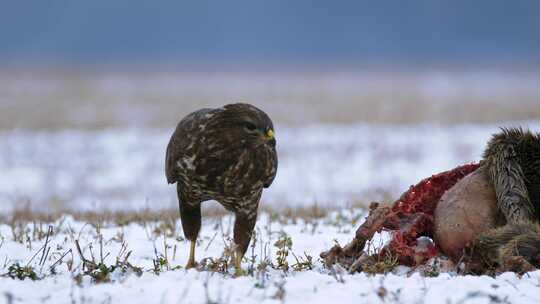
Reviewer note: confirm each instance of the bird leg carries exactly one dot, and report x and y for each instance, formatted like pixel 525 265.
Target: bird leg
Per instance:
pixel 191 261
pixel 243 229
pixel 238 264
pixel 191 224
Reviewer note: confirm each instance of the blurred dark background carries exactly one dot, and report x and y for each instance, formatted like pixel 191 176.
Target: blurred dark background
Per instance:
pixel 141 63
pixel 256 32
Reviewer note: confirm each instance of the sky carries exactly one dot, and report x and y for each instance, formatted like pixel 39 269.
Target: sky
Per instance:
pixel 247 32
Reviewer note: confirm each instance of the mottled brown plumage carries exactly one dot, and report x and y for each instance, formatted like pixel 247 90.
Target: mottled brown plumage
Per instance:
pixel 226 154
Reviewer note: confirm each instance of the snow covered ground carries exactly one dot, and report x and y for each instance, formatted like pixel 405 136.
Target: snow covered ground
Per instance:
pixel 331 165
pixel 155 247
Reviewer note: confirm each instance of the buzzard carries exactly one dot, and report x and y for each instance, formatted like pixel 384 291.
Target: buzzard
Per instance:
pixel 228 155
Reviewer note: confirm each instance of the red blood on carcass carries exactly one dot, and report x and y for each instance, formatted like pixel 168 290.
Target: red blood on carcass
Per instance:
pixel 408 218
pixel 411 215
pixel 424 196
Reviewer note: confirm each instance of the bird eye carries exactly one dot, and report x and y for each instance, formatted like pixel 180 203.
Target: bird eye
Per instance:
pixel 249 127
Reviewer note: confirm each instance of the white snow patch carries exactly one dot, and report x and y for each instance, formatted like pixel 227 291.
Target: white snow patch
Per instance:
pixel 332 165
pixel 181 286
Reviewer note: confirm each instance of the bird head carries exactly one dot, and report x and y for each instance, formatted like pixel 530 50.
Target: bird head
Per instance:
pixel 248 125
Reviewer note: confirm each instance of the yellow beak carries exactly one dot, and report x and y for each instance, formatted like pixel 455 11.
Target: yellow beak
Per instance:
pixel 270 134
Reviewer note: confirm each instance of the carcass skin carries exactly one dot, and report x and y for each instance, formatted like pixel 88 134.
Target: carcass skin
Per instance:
pixel 408 218
pixel 465 211
pixel 489 220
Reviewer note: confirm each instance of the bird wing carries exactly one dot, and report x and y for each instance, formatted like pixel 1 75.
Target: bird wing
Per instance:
pixel 170 157
pixel 180 140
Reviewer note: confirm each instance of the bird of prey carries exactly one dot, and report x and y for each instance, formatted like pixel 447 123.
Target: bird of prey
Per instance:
pixel 226 154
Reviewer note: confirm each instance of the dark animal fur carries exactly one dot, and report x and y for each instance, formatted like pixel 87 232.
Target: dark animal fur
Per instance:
pixel 512 158
pixel 513 247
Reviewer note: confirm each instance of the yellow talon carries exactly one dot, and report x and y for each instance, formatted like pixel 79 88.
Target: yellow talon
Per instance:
pixel 238 265
pixel 191 261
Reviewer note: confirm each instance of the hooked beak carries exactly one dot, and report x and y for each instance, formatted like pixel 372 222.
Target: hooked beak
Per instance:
pixel 270 137
pixel 269 134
